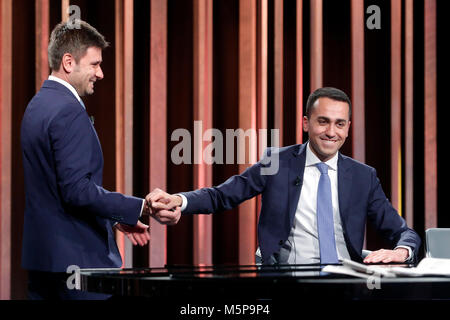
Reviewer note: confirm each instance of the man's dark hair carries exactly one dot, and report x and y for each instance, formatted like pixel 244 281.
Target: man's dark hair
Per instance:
pixel 327 92
pixel 74 38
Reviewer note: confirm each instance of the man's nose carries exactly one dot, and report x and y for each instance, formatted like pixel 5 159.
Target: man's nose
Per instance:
pixel 330 132
pixel 99 73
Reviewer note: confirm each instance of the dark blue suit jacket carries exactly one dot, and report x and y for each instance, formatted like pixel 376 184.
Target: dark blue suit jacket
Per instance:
pixel 68 215
pixel 361 199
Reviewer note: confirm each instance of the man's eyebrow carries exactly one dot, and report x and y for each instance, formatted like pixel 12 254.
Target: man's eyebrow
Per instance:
pixel 328 119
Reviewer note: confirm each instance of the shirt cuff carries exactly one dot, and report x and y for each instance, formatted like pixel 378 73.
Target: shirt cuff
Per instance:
pixel 184 202
pixel 142 208
pixel 410 252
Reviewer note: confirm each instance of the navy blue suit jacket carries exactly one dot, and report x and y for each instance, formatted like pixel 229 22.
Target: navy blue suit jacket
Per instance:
pixel 361 199
pixel 68 215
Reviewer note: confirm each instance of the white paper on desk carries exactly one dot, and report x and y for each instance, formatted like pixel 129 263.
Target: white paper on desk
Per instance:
pixel 359 270
pixel 426 267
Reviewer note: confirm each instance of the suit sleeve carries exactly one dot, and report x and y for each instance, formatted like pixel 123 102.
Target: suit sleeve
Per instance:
pixel 229 194
pixel 72 145
pixel 387 220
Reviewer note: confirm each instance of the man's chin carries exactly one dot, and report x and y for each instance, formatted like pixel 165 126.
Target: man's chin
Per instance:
pixel 327 153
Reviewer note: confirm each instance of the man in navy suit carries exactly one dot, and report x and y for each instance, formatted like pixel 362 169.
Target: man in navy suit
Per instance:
pixel 288 228
pixel 69 217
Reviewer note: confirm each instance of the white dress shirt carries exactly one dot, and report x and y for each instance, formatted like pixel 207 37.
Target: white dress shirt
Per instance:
pixel 302 246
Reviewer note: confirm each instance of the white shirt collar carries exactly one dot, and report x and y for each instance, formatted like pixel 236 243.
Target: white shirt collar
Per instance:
pixel 67 85
pixel 312 159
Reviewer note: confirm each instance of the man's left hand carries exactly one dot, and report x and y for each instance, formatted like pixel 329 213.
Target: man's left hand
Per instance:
pixel 137 234
pixel 387 256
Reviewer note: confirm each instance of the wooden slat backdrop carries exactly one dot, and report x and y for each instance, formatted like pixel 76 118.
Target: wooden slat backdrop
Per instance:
pixel 42 36
pixel 357 95
pixel 124 112
pixel 247 120
pixel 259 79
pixel 158 122
pixel 430 147
pixel 278 67
pixel 203 110
pixel 316 48
pixel 299 72
pixel 5 146
pixel 396 104
pixel 409 113
pixel 64 7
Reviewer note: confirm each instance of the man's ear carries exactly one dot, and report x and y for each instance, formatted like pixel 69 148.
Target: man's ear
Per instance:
pixel 305 123
pixel 68 63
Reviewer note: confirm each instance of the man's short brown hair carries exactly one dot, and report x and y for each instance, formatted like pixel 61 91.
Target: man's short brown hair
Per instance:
pixel 73 38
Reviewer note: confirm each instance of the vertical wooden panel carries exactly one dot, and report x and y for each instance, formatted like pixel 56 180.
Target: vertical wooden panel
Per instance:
pixel 42 37
pixel 202 235
pixel 64 9
pixel 124 111
pixel 430 147
pixel 299 73
pixel 158 125
pixel 278 67
pixel 180 103
pixel 409 113
pixel 226 115
pixel 261 82
pixel 358 114
pixel 316 56
pixel 5 147
pixel 247 120
pixel 396 105
pixel 262 47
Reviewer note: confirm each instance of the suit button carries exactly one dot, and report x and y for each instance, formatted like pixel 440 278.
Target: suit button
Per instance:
pixel 281 242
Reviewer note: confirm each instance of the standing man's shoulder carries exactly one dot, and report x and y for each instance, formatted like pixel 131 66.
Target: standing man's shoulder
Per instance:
pixel 51 105
pixel 54 97
pixel 58 101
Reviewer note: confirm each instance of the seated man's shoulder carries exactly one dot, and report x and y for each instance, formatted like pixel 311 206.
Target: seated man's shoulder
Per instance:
pixel 357 165
pixel 284 152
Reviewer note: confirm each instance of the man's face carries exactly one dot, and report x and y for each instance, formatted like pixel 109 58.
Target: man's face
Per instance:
pixel 87 71
pixel 327 127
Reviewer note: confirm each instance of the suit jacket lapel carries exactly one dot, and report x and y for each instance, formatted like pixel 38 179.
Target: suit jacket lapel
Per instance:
pixel 295 179
pixel 344 187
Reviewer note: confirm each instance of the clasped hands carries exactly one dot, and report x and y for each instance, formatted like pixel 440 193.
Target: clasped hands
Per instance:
pixel 161 206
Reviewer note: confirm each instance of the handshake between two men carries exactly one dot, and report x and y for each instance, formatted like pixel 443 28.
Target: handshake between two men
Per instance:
pixel 163 207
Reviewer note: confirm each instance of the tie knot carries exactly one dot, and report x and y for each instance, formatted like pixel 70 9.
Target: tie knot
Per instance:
pixel 323 167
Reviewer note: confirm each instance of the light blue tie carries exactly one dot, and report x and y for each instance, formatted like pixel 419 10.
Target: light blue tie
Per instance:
pixel 325 223
pixel 81 102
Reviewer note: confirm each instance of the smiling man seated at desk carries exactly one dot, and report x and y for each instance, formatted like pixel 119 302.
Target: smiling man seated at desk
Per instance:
pixel 315 207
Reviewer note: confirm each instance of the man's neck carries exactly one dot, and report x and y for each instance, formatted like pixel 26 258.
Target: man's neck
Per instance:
pixel 64 80
pixel 61 75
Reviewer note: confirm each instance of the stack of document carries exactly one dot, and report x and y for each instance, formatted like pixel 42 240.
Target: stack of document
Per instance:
pixel 426 267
